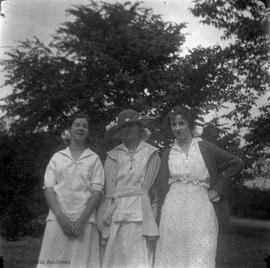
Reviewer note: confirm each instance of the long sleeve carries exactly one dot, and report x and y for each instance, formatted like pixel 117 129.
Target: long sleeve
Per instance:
pixel 152 170
pixel 162 181
pixel 149 226
pixel 224 164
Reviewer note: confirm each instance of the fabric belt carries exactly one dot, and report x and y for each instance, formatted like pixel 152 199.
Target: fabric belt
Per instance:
pixel 149 227
pixel 125 192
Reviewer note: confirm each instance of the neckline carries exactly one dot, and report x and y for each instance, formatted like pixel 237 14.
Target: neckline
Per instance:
pixel 192 143
pixel 141 145
pixel 85 153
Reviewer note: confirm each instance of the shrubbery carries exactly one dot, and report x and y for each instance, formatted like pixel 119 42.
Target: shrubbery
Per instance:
pixel 22 163
pixel 250 202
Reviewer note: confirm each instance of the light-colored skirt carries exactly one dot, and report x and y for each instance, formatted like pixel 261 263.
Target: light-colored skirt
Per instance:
pixel 58 250
pixel 127 247
pixel 188 229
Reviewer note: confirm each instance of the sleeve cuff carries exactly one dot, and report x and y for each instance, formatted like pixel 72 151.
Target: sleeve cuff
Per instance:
pixel 48 186
pixel 97 187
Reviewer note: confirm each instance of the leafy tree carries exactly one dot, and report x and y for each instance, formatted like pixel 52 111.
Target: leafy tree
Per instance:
pixel 109 57
pixel 246 24
pixel 97 64
pixel 258 134
pixel 258 144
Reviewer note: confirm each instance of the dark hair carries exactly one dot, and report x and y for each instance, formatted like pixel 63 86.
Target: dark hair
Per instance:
pixel 188 114
pixel 78 115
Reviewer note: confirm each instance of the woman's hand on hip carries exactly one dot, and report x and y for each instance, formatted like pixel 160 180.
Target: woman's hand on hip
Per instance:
pixel 213 195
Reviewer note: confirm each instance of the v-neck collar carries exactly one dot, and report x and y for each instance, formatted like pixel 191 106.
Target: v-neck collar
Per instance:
pixel 141 145
pixel 86 153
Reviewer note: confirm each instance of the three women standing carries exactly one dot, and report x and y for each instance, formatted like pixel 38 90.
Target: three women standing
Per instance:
pixel 126 218
pixel 73 185
pixel 193 174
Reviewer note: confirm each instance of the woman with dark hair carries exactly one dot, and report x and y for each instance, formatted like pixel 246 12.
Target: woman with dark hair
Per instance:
pixel 73 185
pixel 193 174
pixel 125 217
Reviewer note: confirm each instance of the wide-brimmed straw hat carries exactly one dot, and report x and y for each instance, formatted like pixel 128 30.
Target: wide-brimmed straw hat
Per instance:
pixel 128 116
pixel 124 117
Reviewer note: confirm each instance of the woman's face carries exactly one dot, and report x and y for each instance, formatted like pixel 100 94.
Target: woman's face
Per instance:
pixel 180 128
pixel 130 131
pixel 79 130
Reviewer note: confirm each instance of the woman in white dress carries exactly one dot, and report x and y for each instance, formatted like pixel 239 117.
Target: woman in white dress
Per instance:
pixel 193 174
pixel 73 185
pixel 126 219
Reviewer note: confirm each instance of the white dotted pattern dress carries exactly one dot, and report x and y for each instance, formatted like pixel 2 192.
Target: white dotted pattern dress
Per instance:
pixel 188 226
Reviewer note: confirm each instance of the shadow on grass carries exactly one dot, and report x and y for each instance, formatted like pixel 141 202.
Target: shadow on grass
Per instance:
pixel 242 247
pixel 245 247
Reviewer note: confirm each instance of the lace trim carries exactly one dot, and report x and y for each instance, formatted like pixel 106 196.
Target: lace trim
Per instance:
pixel 194 181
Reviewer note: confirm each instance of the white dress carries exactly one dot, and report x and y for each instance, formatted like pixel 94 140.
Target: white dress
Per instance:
pixel 73 183
pixel 127 247
pixel 188 226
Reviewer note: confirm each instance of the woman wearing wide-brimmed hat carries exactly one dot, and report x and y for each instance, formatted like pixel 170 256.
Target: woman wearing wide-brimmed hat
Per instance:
pixel 125 217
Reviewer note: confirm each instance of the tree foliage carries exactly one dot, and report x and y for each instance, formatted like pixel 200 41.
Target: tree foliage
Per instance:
pixel 258 144
pixel 113 56
pixel 258 135
pixel 97 64
pixel 246 24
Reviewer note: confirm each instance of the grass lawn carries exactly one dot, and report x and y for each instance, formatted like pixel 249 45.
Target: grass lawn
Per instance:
pixel 22 254
pixel 243 247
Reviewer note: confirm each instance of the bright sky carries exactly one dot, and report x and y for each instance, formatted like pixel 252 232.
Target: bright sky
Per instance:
pixel 27 18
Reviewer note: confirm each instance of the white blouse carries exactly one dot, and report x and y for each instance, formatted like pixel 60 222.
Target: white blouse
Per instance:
pixel 131 176
pixel 74 181
pixel 188 168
